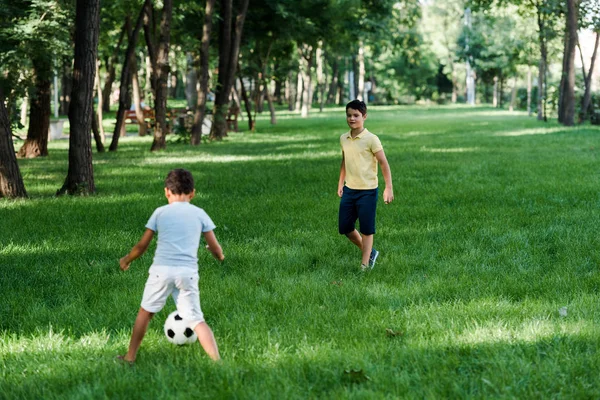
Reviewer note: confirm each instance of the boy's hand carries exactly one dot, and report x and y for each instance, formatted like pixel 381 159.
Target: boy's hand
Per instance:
pixel 340 191
pixel 124 264
pixel 388 195
pixel 219 257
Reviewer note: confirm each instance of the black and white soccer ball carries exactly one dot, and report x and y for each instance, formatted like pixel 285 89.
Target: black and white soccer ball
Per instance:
pixel 178 331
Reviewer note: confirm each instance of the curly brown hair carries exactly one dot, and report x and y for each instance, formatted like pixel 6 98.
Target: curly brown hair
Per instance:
pixel 180 181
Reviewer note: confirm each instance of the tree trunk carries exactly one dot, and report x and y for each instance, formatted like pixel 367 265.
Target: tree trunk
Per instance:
pixel 306 59
pixel 228 59
pixel 563 79
pixel 80 176
pixel 162 75
pixel 299 88
pixel 277 92
pixel 137 98
pixel 587 96
pixel 501 93
pixel 200 112
pixel 11 181
pixel 271 105
pixel 126 71
pixel 66 86
pixel 495 93
pixel 24 111
pixel 529 91
pixel 247 105
pixel 97 128
pixel 361 72
pixel 111 70
pixel 568 97
pixel 334 81
pixel 541 115
pixel 259 94
pixel 36 144
pixel 513 96
pixel 191 82
pixel 289 90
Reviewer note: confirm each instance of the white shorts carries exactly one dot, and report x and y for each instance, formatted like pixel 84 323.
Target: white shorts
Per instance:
pixel 182 286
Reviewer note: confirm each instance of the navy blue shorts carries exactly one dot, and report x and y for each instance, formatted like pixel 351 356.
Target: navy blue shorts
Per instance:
pixel 361 205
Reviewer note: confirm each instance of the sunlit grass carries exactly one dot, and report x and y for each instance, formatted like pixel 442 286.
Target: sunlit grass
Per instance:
pixel 486 287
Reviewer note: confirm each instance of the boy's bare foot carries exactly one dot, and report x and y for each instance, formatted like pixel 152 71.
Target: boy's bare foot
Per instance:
pixel 122 360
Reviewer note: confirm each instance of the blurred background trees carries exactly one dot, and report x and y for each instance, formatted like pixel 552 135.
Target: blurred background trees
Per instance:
pixel 174 66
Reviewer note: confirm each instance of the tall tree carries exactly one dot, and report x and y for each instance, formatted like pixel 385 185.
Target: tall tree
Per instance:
pixel 566 110
pixel 11 181
pixel 80 176
pixel 126 74
pixel 36 143
pixel 160 71
pixel 34 35
pixel 203 72
pixel 230 36
pixel 592 21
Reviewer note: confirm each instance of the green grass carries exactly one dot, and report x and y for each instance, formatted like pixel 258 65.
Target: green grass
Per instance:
pixel 494 229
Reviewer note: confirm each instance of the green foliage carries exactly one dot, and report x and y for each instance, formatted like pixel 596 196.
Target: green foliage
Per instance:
pixel 33 31
pixel 486 287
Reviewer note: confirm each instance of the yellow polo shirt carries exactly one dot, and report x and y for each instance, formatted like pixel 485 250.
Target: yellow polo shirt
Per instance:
pixel 359 159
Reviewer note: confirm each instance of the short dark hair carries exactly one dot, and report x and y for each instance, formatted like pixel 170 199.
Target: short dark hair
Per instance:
pixel 180 181
pixel 357 105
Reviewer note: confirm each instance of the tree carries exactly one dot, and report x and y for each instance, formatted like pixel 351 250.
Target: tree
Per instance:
pixel 591 14
pixel 546 14
pixel 230 36
pixel 11 182
pixel 566 112
pixel 159 60
pixel 203 78
pixel 34 35
pixel 126 73
pixel 80 176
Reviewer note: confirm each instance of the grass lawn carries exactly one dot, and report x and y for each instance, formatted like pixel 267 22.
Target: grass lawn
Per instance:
pixel 486 286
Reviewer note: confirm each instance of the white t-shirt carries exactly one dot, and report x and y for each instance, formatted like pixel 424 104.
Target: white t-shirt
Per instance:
pixel 179 226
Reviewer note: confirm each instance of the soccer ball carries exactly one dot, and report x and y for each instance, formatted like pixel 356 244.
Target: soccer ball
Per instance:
pixel 178 331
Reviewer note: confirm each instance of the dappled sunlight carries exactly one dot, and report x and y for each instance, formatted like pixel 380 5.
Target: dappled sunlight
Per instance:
pixel 532 330
pixel 211 158
pixel 52 341
pixel 268 138
pixel 298 146
pixel 531 131
pixel 449 150
pixel 420 133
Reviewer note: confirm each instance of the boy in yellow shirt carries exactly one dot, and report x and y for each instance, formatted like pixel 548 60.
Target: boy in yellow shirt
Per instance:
pixel 358 184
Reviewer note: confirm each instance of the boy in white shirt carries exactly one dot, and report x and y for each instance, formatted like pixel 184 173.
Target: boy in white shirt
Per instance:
pixel 174 270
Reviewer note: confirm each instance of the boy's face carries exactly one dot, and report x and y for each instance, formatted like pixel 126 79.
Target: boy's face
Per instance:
pixel 355 119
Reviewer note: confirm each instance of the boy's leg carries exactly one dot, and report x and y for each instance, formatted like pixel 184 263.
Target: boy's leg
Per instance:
pixel 139 331
pixel 367 246
pixel 355 238
pixel 366 209
pixel 207 340
pixel 187 299
pixel 347 217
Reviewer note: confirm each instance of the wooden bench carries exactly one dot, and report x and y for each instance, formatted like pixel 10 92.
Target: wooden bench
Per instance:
pixel 232 118
pixel 131 117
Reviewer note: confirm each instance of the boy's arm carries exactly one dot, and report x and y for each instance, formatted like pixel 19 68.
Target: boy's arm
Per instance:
pixel 212 244
pixel 137 250
pixel 388 193
pixel 340 190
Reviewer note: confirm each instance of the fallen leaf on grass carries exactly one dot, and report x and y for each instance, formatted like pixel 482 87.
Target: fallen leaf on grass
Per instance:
pixel 356 376
pixel 392 333
pixel 337 283
pixel 562 311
